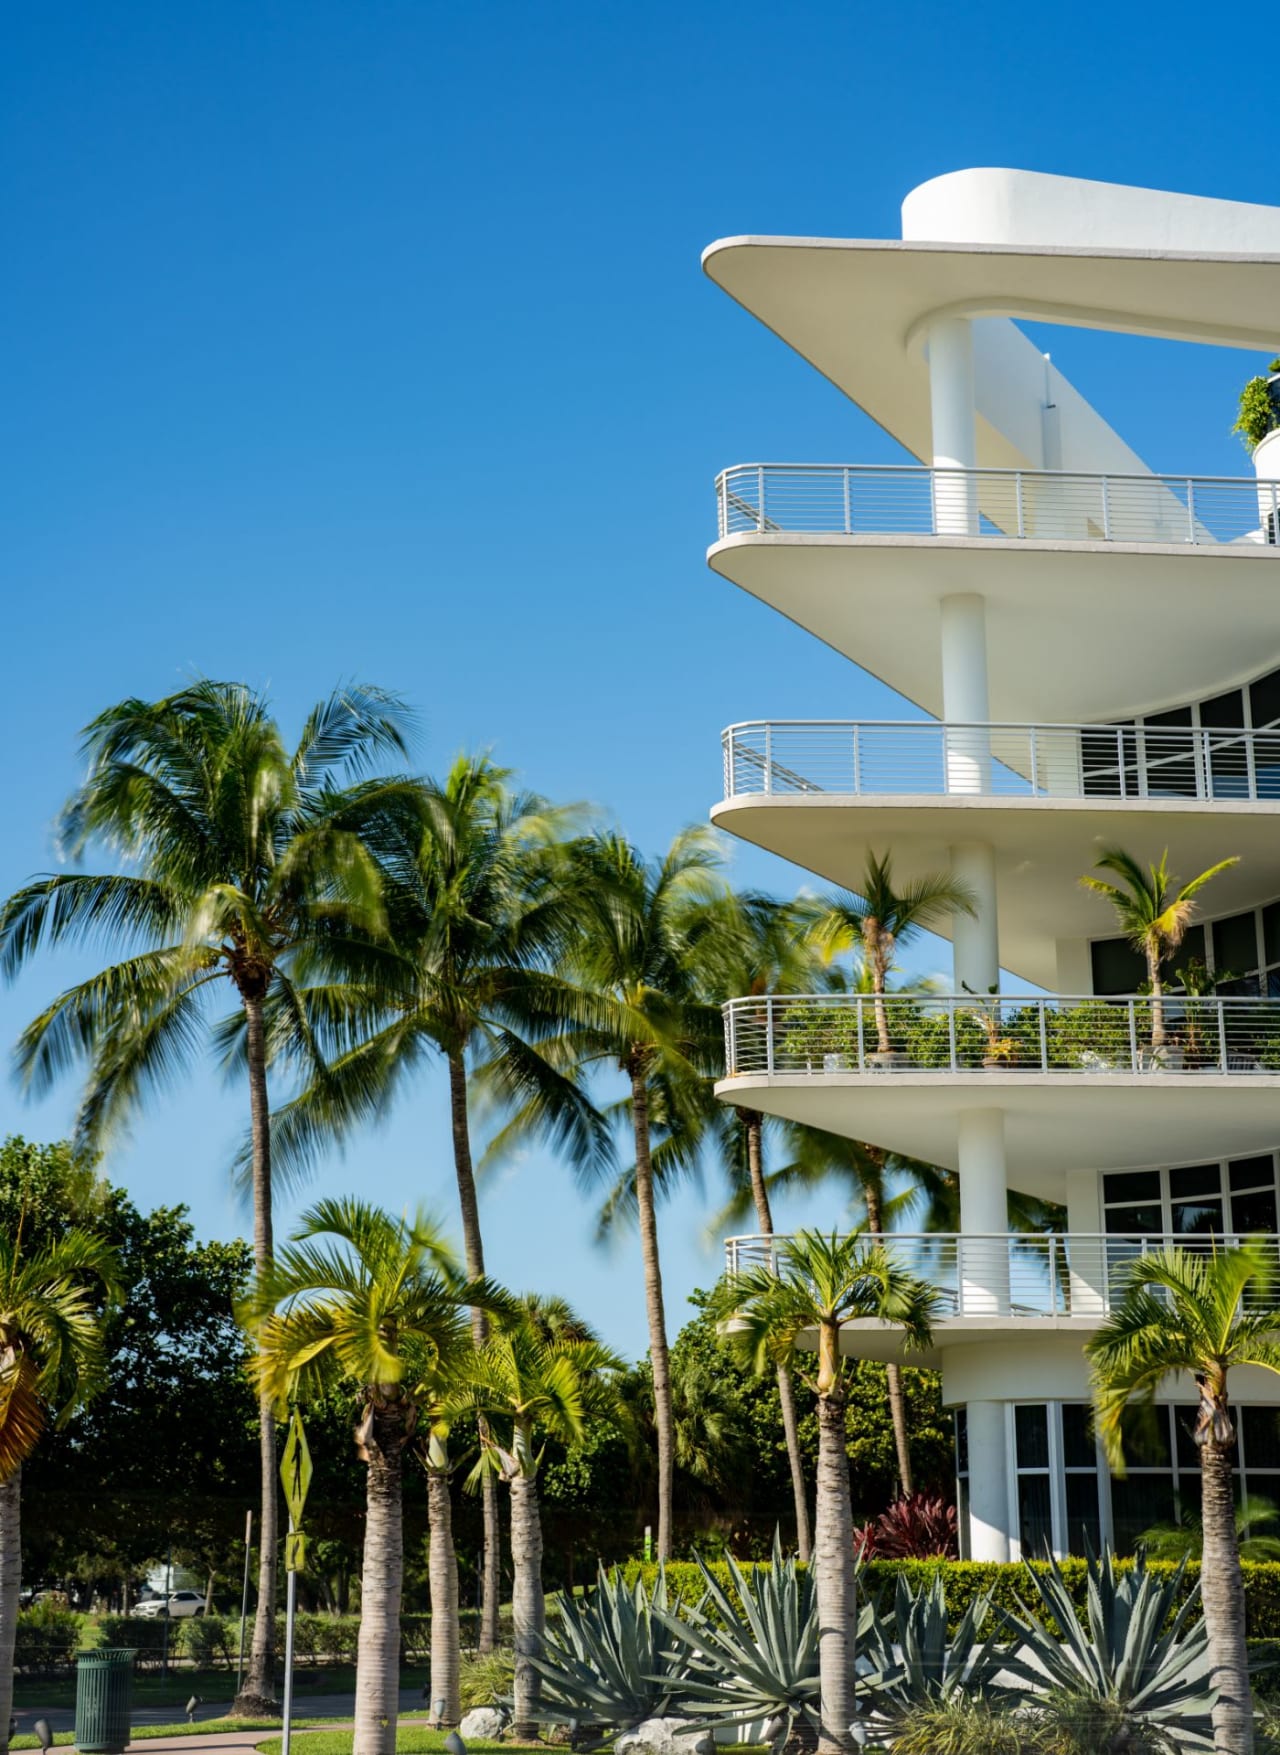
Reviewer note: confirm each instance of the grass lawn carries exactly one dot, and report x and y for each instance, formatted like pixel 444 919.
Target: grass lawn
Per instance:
pixel 410 1740
pixel 66 1739
pixel 150 1688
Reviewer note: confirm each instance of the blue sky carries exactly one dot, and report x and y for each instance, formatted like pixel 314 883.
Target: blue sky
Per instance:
pixel 370 340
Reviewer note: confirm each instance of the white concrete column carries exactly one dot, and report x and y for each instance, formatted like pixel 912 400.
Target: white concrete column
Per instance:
pixel 951 402
pixel 975 938
pixel 1086 1249
pixel 989 1514
pixel 963 634
pixel 982 1268
pixel 1266 465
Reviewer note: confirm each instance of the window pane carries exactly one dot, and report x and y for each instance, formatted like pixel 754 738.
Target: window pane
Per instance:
pixel 1235 944
pixel 1077 1437
pixel 1193 1179
pixel 1084 1534
pixel 1134 1221
pixel 1117 967
pixel 1136 1504
pixel 1257 1172
pixel 1145 1435
pixel 1271 931
pixel 1191 950
pixel 1261 1441
pixel 1035 1518
pixel 1254 1213
pixel 1032 1427
pixel 1223 710
pixel 1184 1425
pixel 1131 1185
pixel 1196 1218
pixel 1264 699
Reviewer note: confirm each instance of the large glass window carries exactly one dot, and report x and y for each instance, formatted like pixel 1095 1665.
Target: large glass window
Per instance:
pixel 1234 1198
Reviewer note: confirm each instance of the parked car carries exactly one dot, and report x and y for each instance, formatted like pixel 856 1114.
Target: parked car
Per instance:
pixel 182 1603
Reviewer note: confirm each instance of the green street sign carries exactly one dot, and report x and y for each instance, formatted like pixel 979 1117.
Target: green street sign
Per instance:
pixel 295 1469
pixel 295 1552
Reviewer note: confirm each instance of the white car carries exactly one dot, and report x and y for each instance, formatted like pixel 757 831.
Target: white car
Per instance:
pixel 182 1603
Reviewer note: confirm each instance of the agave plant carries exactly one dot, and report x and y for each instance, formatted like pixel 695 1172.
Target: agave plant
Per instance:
pixel 610 1661
pixel 754 1654
pixel 914 1660
pixel 1141 1654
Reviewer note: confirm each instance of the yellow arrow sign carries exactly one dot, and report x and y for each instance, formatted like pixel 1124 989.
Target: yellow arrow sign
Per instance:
pixel 295 1468
pixel 295 1552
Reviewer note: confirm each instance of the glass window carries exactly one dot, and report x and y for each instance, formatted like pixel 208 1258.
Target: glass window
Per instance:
pixel 1235 944
pixel 1035 1516
pixel 1191 950
pixel 1271 932
pixel 1032 1427
pixel 1264 699
pixel 1131 1186
pixel 1084 1532
pixel 1195 1179
pixel 1184 1427
pixel 1078 1451
pixel 1223 710
pixel 1261 1433
pixel 1144 1433
pixel 1137 1503
pixel 1108 760
pixel 1254 1213
pixel 1117 967
pixel 1145 1221
pixel 1259 1172
pixel 1170 754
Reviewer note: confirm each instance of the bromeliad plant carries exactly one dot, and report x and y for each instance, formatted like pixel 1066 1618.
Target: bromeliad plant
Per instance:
pixel 610 1661
pixel 753 1654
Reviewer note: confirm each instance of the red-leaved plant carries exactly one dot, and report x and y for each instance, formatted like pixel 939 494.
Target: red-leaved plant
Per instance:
pixel 922 1527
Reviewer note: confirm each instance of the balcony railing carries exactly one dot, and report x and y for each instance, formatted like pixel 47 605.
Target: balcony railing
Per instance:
pixel 824 1034
pixel 795 757
pixel 1016 1275
pixel 863 500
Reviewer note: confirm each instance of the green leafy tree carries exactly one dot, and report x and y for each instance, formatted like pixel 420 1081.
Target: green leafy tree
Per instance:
pixel 365 1300
pixel 248 868
pixel 819 1286
pixel 1154 912
pixel 1202 1314
pixel 51 1360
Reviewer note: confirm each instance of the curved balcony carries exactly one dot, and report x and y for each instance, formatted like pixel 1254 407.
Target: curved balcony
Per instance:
pixel 1028 1283
pixel 841 499
pixel 1106 1083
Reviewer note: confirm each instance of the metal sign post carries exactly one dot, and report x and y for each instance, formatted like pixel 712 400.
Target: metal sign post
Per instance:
pixel 244 1596
pixel 295 1473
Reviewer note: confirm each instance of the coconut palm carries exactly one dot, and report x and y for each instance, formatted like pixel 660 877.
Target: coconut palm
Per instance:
pixel 541 1374
pixel 1154 912
pixel 480 900
pixel 51 1363
pixel 247 869
pixel 819 1286
pixel 365 1300
pixel 1196 1314
pixel 876 924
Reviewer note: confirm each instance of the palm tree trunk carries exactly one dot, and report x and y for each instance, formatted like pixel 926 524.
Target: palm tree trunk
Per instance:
pixel 892 1373
pixel 527 1602
pixel 473 1248
pixel 1222 1588
pixel 258 1693
pixel 882 1015
pixel 753 1124
pixel 378 1650
pixel 659 1356
pixel 833 1574
pixel 446 1656
pixel 10 1586
pixel 1157 999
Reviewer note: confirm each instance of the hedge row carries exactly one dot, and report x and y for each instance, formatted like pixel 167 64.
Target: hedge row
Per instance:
pixel 213 1641
pixel 1006 1584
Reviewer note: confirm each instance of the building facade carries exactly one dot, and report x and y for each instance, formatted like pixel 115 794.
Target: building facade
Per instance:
pixel 1099 647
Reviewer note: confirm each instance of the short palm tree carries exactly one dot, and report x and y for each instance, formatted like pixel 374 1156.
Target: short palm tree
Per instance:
pixel 1198 1313
pixel 819 1286
pixel 1154 912
pixel 51 1363
pixel 366 1300
pixel 248 869
pixel 542 1374
pixel 480 901
pixel 878 923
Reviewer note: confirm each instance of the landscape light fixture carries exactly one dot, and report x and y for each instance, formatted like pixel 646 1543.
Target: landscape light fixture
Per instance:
pixel 44 1736
pixel 454 1744
pixel 195 1700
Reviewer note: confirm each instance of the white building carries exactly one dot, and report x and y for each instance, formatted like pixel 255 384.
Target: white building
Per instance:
pixel 1101 647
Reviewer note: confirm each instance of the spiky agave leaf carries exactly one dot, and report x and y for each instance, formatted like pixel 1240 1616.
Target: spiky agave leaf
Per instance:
pixel 914 1661
pixel 610 1660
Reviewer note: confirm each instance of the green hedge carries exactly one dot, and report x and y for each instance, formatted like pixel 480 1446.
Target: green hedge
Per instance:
pixel 46 1639
pixel 965 1579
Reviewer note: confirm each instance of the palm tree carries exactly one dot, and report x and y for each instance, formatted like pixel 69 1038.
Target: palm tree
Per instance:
pixel 540 1375
pixel 819 1286
pixel 480 902
pixel 654 939
pixel 877 923
pixel 363 1299
pixel 51 1362
pixel 249 867
pixel 1154 912
pixel 1201 1313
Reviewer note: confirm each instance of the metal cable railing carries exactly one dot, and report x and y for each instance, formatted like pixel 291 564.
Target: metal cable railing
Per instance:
pixel 824 1034
pixel 930 758
pixel 1015 1274
pixel 1036 505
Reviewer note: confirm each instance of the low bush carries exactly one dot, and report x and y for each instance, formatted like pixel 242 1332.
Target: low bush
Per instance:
pixel 487 1681
pixel 144 1634
pixel 46 1639
pixel 210 1641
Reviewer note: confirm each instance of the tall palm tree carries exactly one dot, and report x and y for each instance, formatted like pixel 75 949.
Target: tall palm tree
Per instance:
pixel 480 902
pixel 367 1300
pixel 1199 1313
pixel 877 923
pixel 541 1374
pixel 247 868
pixel 651 948
pixel 1154 912
pixel 51 1362
pixel 818 1287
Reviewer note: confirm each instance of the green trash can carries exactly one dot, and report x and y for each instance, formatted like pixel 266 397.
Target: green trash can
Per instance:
pixel 104 1693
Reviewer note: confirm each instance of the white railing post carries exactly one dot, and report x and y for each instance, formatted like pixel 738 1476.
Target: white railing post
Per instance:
pixel 768 755
pixel 857 762
pixel 1120 761
pixel 1053 1276
pixel 1222 1035
pixel 933 502
pixel 1035 763
pixel 760 499
pixel 951 1033
pixel 1191 510
pixel 722 503
pixel 848 507
pixel 768 1035
pixel 1017 489
pixel 1042 1008
pixel 1106 511
pixel 1133 1035
pixel 862 1046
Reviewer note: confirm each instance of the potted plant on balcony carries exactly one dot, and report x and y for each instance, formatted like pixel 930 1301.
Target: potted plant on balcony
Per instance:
pixel 1000 1050
pixel 1259 410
